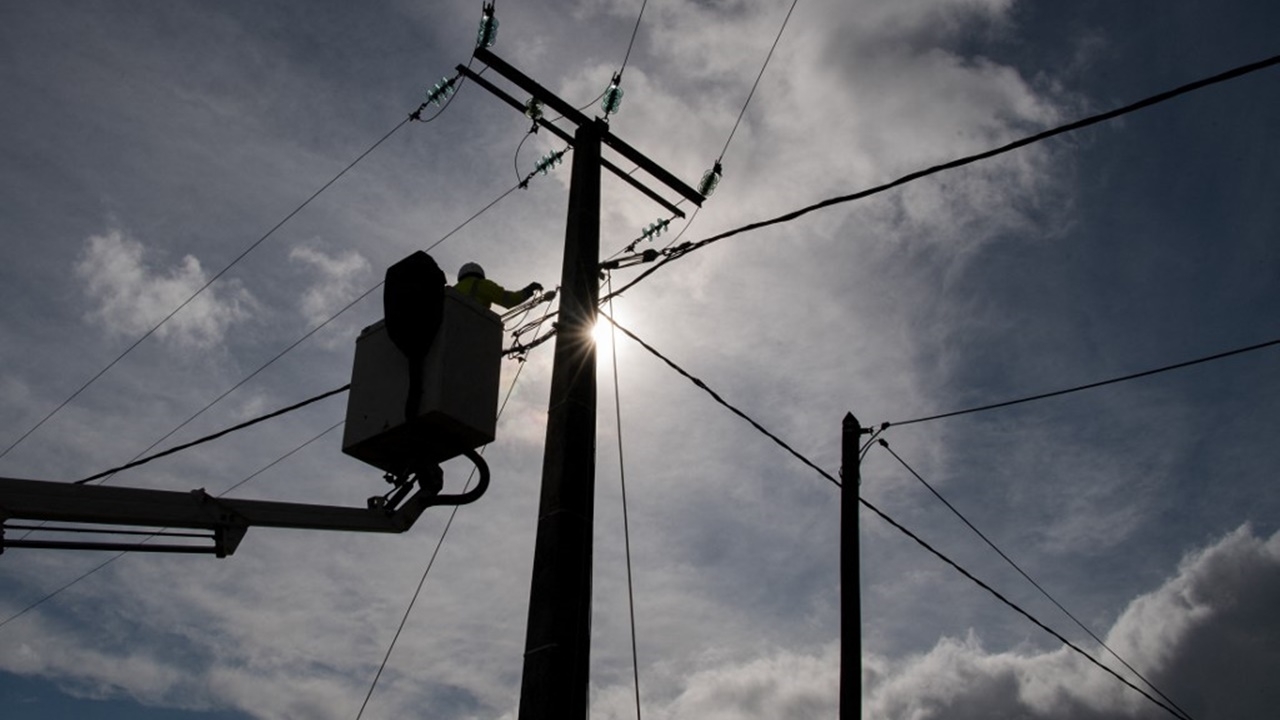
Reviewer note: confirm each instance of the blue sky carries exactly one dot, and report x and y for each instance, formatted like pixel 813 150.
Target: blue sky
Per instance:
pixel 147 145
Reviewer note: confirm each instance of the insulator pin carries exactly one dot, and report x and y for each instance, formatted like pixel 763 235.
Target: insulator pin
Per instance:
pixel 488 33
pixel 546 162
pixel 655 229
pixel 442 90
pixel 710 179
pixel 612 96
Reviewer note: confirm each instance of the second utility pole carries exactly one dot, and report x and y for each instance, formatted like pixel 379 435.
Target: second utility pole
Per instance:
pixel 557 645
pixel 850 572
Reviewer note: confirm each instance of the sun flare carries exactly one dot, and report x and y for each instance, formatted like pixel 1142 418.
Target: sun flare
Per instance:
pixel 600 333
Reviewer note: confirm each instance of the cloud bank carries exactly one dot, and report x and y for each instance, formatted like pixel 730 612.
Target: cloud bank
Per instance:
pixel 1209 638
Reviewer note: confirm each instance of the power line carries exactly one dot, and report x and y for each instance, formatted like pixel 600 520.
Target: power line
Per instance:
pixel 756 83
pixel 515 161
pixel 413 600
pixel 692 216
pixel 1012 605
pixel 716 396
pixel 1089 386
pixel 894 523
pixel 688 247
pixel 50 595
pixel 632 42
pixel 671 254
pixel 299 341
pixel 204 287
pixel 249 423
pixel 208 438
pixel 716 168
pixel 216 435
pixel 416 115
pixel 626 525
pixel 283 457
pixel 250 376
pixel 467 222
pixel 613 91
pixel 884 444
pixel 432 561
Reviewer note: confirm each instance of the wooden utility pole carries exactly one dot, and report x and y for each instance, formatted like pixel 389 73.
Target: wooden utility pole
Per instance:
pixel 850 584
pixel 557 654
pixel 558 641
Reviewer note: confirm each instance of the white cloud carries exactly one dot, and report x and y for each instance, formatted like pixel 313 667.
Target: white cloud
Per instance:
pixel 132 297
pixel 1208 638
pixel 340 278
pixel 787 685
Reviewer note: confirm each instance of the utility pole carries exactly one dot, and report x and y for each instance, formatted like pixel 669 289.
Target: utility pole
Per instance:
pixel 850 581
pixel 558 641
pixel 557 654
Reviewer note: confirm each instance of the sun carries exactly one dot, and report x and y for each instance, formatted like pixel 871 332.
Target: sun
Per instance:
pixel 600 333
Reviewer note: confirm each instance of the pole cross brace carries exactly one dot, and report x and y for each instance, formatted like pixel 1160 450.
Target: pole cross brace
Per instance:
pixel 573 115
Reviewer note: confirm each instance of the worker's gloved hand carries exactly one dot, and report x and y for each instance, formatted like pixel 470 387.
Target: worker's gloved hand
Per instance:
pixel 532 288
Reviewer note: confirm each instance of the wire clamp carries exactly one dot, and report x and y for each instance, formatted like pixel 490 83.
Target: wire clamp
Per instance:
pixel 647 256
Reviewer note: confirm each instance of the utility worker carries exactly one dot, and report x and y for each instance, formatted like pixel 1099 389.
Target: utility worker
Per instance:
pixel 473 284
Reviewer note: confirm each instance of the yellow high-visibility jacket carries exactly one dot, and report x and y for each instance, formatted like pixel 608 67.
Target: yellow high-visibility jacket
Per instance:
pixel 486 292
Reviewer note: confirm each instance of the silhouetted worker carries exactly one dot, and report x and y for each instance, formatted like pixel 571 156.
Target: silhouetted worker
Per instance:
pixel 413 303
pixel 473 284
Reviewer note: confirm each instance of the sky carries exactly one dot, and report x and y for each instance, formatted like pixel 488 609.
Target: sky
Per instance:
pixel 145 146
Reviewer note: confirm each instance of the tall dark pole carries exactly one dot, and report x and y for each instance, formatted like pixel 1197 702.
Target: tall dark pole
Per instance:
pixel 850 586
pixel 558 640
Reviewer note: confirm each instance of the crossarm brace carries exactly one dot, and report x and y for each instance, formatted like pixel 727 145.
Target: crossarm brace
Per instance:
pixel 570 113
pixel 543 122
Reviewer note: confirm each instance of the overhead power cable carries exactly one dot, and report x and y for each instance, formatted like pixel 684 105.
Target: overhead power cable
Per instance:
pixel 204 287
pixel 299 341
pixel 631 43
pixel 414 116
pixel 755 84
pixel 716 396
pixel 241 383
pixel 1089 386
pixel 515 161
pixel 50 595
pixel 533 110
pixel 215 436
pixel 1013 606
pixel 626 523
pixel 688 247
pixel 432 560
pixel 54 593
pixel 884 444
pixel 884 516
pixel 711 179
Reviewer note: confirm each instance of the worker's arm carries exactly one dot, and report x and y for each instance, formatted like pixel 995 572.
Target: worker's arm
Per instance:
pixel 491 292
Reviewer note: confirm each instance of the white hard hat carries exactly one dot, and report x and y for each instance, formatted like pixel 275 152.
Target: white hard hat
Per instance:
pixel 469 269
